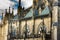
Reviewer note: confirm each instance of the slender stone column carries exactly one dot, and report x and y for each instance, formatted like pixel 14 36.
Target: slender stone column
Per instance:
pixel 55 19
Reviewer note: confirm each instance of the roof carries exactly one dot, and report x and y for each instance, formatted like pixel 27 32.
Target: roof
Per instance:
pixel 29 14
pixel 16 17
pixel 44 12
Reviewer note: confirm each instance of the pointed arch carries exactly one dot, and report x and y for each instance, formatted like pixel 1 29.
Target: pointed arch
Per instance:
pixel 26 30
pixel 41 28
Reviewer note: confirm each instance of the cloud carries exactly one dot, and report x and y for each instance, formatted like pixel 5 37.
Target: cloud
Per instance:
pixel 27 3
pixel 4 4
pixel 24 3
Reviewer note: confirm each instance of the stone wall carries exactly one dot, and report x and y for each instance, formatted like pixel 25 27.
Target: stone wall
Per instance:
pixel 47 22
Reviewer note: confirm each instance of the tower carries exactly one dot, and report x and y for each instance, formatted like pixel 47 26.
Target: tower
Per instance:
pixel 19 8
pixel 19 17
pixel 12 11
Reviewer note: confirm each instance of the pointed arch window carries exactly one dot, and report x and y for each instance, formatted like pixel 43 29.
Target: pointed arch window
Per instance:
pixel 26 30
pixel 13 31
pixel 41 28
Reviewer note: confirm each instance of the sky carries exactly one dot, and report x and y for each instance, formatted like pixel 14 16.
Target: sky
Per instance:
pixel 4 4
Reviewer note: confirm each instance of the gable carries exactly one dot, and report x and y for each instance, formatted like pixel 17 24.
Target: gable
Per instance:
pixel 44 12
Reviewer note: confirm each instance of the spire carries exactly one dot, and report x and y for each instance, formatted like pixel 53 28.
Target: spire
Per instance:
pixel 12 11
pixel 9 9
pixel 19 7
pixel 2 16
pixel 5 10
pixel 19 2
